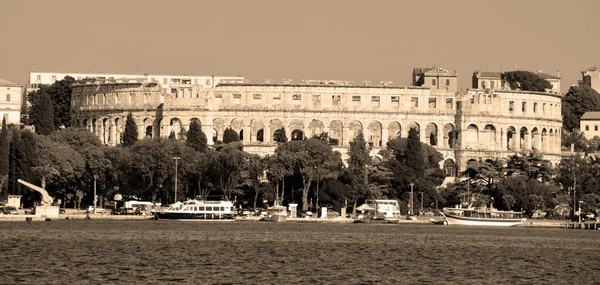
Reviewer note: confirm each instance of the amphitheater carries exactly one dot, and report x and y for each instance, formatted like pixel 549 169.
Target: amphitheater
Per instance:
pixel 477 124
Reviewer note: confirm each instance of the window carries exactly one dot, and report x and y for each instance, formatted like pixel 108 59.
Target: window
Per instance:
pixel 116 98
pixel 492 83
pixel 131 95
pixel 524 107
pixel 173 90
pixel 544 108
pixel 447 82
pixel 53 78
pixel 587 128
pixel 374 98
pixel 432 103
pixel 296 97
pixel 39 77
pixel 218 95
pixel 186 81
pixel 433 82
pixel 535 107
pixel 596 128
pixel 237 96
pixel 448 103
pixel 511 105
pixel 395 99
pixel 414 102
pixel 336 99
pixel 317 98
pixel 7 97
pixel 355 98
pixel 175 81
pixel 277 97
pixel 483 84
pixel 257 96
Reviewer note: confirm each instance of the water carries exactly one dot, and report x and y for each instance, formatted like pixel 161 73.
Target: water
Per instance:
pixel 175 252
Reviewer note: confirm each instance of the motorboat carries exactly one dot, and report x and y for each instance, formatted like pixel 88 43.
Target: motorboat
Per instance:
pixel 275 214
pixel 481 216
pixel 197 210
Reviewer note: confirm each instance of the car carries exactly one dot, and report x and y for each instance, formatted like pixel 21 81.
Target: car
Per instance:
pixel 90 209
pixel 9 210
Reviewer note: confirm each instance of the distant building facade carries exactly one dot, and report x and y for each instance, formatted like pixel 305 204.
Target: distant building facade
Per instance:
pixel 477 125
pixel 591 78
pixel 11 100
pixel 590 124
pixel 494 80
pixel 435 78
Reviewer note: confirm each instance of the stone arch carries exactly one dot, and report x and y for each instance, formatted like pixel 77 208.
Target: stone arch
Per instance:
pixel 297 135
pixel 489 136
pixel 545 141
pixel 315 128
pixel 175 126
pixel 525 139
pixel 354 128
pixel 219 129
pixel 237 125
pixel 431 131
pixel 257 126
pixel 394 130
pixel 414 125
pixel 551 141
pixel 119 129
pixel 536 139
pixel 85 124
pixel 336 132
pixel 375 134
pixel 449 136
pixel 194 119
pixel 105 131
pixel 275 126
pixel 472 135
pixel 511 139
pixel 297 130
pixel 450 167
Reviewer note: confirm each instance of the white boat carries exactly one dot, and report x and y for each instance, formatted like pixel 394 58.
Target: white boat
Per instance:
pixel 275 214
pixel 197 210
pixel 482 216
pixel 379 210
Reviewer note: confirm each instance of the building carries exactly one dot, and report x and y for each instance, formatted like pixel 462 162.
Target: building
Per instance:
pixel 436 78
pixel 591 78
pixel 494 80
pixel 589 123
pixel 11 99
pixel 478 125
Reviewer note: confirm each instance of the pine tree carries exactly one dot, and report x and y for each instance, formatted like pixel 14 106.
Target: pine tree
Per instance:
pixel 130 136
pixel 41 112
pixel 357 168
pixel 413 155
pixel 4 149
pixel 230 136
pixel 196 139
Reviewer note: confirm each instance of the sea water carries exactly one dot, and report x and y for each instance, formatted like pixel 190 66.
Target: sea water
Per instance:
pixel 177 252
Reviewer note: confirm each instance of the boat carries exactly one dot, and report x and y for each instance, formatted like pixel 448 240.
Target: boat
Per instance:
pixel 197 210
pixel 387 211
pixel 275 214
pixel 481 216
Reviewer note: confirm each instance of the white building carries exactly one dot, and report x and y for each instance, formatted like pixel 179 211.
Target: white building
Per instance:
pixel 10 101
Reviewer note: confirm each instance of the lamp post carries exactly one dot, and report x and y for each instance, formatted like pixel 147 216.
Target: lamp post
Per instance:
pixel 421 210
pixel 176 158
pixel 411 198
pixel 579 212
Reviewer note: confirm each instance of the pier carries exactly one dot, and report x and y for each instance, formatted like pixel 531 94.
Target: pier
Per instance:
pixel 592 225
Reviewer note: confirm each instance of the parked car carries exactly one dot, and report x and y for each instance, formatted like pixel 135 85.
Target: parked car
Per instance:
pixel 90 209
pixel 9 210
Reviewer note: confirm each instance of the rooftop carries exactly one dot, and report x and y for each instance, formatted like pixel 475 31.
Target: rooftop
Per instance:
pixel 591 116
pixel 6 83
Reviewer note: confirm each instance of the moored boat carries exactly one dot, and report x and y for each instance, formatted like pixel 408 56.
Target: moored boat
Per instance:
pixel 197 210
pixel 482 216
pixel 275 214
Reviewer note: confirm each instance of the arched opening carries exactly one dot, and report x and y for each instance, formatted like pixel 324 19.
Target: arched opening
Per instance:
pixel 415 126
pixel 511 141
pixel 450 167
pixel 472 135
pixel 276 126
pixel 336 129
pixel 241 136
pixel 355 127
pixel 260 135
pixel 449 136
pixel 149 132
pixel 536 139
pixel 315 127
pixel 297 135
pixel 525 139
pixel 489 136
pixel 219 127
pixel 215 135
pixel 394 131
pixel 374 136
pixel 432 133
pixel 256 126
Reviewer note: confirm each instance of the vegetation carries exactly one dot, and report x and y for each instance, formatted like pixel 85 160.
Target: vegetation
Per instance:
pixel 196 139
pixel 576 102
pixel 41 113
pixel 130 136
pixel 526 81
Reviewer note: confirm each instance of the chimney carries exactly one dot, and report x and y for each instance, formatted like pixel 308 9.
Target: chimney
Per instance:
pixel 558 73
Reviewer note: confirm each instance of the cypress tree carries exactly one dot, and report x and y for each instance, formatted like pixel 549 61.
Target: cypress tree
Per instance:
pixel 413 155
pixel 12 162
pixel 196 139
pixel 130 135
pixel 358 159
pixel 4 149
pixel 41 112
pixel 230 136
pixel 26 159
pixel 279 136
pixel 172 135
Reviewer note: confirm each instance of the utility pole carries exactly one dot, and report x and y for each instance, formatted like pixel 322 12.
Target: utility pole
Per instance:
pixel 95 196
pixel 176 158
pixel 421 202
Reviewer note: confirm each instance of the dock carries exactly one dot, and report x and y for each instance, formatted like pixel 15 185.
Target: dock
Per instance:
pixel 592 225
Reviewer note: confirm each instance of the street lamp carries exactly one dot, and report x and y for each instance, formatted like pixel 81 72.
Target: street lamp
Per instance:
pixel 421 211
pixel 95 196
pixel 176 158
pixel 579 213
pixel 411 198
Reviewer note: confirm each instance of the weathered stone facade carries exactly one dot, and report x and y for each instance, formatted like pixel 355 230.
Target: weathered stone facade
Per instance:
pixel 476 125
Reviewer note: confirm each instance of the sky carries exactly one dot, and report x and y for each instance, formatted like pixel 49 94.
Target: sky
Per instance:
pixel 341 40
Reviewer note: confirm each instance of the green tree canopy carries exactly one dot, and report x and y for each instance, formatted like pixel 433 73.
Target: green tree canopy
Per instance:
pixel 280 136
pixel 4 150
pixel 41 113
pixel 575 103
pixel 230 135
pixel 60 95
pixel 130 136
pixel 526 81
pixel 196 139
pixel 358 161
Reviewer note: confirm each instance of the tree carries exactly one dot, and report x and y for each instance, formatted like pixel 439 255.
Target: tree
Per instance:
pixel 130 136
pixel 252 174
pixel 4 150
pixel 278 166
pixel 279 136
pixel 41 113
pixel 196 139
pixel 526 81
pixel 575 103
pixel 358 160
pixel 60 95
pixel 225 168
pixel 413 155
pixel 229 135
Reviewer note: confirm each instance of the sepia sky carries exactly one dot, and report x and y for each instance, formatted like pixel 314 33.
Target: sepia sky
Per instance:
pixel 344 40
